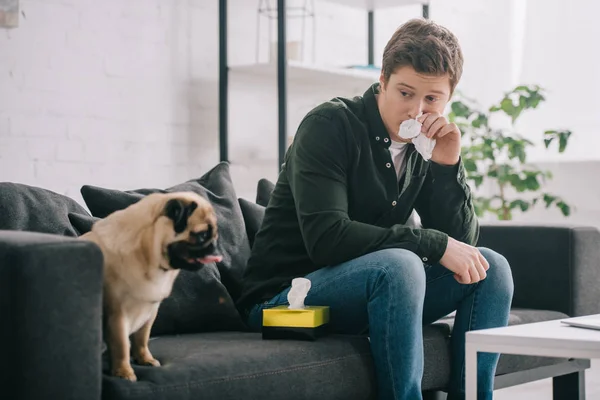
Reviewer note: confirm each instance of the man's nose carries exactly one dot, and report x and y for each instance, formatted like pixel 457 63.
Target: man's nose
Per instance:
pixel 414 113
pixel 416 110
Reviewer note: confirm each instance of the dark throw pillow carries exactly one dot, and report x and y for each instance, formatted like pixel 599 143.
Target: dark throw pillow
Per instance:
pixel 30 208
pixel 203 300
pixel 263 191
pixel 253 216
pixel 82 222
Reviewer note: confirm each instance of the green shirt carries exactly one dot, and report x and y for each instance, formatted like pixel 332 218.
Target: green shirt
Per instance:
pixel 338 197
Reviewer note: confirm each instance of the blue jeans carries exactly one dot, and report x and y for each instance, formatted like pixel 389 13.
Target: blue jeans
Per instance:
pixel 391 294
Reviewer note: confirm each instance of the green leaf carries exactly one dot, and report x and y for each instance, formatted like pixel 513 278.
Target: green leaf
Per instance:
pixel 470 165
pixel 507 106
pixel 531 182
pixel 503 172
pixel 563 138
pixel 519 184
pixel 516 148
pixel 523 102
pixel 535 100
pixel 481 120
pixel 522 204
pixel 460 109
pixel 562 143
pixel 547 141
pixel 564 208
pixel 477 179
pixel 548 199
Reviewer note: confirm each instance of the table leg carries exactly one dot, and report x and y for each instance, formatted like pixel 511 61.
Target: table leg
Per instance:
pixel 471 371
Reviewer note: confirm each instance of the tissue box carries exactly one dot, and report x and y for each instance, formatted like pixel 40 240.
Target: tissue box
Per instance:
pixel 307 323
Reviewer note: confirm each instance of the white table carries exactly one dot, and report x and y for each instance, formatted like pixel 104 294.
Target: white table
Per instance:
pixel 545 339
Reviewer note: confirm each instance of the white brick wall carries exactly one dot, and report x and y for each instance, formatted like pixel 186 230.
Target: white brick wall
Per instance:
pixel 124 94
pixel 97 93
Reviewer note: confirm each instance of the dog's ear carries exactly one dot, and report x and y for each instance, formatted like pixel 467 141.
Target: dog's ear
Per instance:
pixel 179 212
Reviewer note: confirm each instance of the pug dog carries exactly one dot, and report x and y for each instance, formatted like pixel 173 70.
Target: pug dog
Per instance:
pixel 145 246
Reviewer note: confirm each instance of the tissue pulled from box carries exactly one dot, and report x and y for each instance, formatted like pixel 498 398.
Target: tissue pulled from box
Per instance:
pixel 411 129
pixel 298 292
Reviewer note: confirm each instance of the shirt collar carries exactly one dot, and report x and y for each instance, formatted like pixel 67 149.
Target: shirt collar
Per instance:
pixel 377 129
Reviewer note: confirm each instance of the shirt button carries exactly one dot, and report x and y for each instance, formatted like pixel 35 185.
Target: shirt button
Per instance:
pixel 394 203
pixel 377 138
pixel 388 165
pixel 386 140
pixel 425 259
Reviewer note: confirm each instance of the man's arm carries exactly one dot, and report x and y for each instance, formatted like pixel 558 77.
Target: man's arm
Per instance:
pixel 316 168
pixel 445 203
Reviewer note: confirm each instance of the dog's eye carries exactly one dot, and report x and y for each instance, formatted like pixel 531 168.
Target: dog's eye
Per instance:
pixel 203 236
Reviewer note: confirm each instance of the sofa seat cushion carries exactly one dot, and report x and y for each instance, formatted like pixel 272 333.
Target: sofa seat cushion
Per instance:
pixel 234 365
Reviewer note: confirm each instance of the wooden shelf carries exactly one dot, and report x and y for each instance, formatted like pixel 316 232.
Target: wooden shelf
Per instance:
pixel 378 4
pixel 310 75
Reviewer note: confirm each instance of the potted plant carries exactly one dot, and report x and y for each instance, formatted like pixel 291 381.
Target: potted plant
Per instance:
pixel 498 157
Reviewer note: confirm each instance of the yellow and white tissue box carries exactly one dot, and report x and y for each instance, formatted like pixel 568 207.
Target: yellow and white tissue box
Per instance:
pixel 306 323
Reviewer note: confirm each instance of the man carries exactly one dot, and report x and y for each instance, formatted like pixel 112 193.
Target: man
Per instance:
pixel 338 213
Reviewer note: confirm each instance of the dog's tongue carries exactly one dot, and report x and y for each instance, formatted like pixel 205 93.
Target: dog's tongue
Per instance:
pixel 209 259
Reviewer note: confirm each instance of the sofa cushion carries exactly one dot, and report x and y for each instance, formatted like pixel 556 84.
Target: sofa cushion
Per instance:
pixel 82 222
pixel 229 366
pixel 263 191
pixel 30 208
pixel 253 216
pixel 201 300
pixel 223 365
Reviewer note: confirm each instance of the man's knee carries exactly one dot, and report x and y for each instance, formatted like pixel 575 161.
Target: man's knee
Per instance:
pixel 499 273
pixel 402 270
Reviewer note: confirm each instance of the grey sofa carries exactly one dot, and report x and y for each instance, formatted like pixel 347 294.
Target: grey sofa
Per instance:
pixel 51 292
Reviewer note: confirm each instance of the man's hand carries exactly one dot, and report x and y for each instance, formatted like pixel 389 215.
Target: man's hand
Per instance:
pixel 465 261
pixel 447 135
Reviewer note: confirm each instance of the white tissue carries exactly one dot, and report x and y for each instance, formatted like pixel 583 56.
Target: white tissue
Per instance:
pixel 411 129
pixel 298 292
pixel 424 146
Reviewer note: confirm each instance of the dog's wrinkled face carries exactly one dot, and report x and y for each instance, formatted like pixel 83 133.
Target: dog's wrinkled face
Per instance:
pixel 195 226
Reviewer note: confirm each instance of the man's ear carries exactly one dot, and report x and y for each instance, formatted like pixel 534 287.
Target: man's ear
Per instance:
pixel 381 81
pixel 179 212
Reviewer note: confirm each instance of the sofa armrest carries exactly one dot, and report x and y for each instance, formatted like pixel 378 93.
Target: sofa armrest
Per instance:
pixel 554 267
pixel 51 313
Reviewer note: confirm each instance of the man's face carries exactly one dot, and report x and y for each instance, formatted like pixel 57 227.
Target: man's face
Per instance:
pixel 408 94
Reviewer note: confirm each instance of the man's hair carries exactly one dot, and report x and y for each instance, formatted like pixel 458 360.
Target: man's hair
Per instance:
pixel 429 48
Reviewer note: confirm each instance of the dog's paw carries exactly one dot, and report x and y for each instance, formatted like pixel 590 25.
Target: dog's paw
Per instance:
pixel 149 362
pixel 125 372
pixel 146 359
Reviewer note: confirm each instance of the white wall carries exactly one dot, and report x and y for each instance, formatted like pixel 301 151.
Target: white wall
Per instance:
pixel 125 93
pixel 99 93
